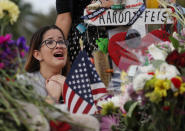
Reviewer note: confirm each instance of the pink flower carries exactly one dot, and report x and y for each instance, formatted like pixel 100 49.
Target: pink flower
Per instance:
pixel 1 65
pixel 22 53
pixel 5 38
pixel 108 122
pixel 126 97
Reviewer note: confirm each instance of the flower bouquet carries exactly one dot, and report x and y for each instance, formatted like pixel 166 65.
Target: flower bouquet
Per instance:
pixel 153 99
pixel 12 53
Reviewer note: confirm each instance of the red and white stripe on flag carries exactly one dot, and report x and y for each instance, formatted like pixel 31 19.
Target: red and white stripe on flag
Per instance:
pixel 75 103
pixel 83 87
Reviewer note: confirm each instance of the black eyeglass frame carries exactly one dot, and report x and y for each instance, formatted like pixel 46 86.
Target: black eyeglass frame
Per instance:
pixel 66 43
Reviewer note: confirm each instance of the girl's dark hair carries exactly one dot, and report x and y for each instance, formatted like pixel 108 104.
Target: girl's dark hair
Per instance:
pixel 33 64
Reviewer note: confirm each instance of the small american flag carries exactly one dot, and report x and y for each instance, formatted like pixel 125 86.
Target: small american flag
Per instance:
pixel 82 86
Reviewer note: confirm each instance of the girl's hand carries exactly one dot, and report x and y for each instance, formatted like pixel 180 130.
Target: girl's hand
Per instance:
pixel 54 86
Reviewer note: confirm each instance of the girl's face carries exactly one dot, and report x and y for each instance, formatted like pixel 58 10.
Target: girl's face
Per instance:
pixel 53 51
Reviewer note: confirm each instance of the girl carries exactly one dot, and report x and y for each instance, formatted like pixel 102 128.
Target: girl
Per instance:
pixel 45 63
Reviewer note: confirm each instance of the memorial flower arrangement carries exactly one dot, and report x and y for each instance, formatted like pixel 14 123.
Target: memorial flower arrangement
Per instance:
pixel 12 51
pixel 153 99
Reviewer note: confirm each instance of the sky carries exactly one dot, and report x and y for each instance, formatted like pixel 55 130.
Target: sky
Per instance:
pixel 42 6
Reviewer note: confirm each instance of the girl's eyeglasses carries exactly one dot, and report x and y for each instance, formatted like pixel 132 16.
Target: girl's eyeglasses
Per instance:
pixel 52 43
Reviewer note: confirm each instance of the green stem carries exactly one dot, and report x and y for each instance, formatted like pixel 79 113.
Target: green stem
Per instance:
pixel 3 25
pixel 2 30
pixel 179 121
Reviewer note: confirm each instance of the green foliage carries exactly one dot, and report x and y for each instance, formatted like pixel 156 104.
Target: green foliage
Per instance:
pixel 164 116
pixel 175 42
pixel 29 21
pixel 12 91
pixel 108 109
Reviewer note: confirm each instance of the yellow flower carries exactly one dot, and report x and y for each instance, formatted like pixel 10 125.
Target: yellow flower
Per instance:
pixel 154 96
pixel 108 108
pixel 160 90
pixel 161 87
pixel 182 88
pixel 11 8
pixel 123 88
pixel 150 83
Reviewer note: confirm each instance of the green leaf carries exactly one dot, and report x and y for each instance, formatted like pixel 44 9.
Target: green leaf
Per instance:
pixel 175 42
pixel 128 104
pixel 183 51
pixel 131 109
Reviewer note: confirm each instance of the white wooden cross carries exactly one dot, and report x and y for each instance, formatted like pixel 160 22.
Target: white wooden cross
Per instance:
pixel 122 17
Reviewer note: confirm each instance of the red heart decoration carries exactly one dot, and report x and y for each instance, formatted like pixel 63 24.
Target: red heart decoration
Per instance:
pixel 123 57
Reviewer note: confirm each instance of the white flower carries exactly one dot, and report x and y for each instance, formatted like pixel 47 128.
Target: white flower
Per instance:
pixel 175 35
pixel 101 102
pixel 125 96
pixel 146 69
pixel 157 53
pixel 115 100
pixel 168 44
pixel 166 71
pixel 140 80
pixel 174 89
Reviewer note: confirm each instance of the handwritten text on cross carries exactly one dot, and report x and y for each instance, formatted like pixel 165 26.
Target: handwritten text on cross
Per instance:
pixel 122 17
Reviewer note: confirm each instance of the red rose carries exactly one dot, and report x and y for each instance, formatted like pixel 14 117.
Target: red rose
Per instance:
pixel 172 58
pixel 59 126
pixel 181 60
pixel 176 82
pixel 166 108
pixel 151 73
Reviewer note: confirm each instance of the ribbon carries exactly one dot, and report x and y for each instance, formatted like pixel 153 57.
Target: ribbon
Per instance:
pixel 94 14
pixel 137 15
pixel 103 44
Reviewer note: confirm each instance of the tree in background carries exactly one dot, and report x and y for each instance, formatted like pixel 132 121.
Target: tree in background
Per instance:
pixel 181 2
pixel 29 21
